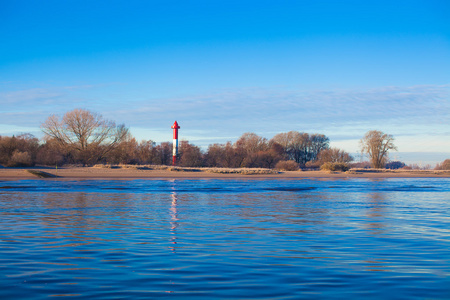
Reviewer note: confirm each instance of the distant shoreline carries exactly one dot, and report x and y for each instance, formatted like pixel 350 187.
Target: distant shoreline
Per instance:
pixel 129 173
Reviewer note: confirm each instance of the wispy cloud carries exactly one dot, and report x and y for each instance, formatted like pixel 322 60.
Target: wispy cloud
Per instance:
pixel 274 110
pixel 29 96
pixel 341 114
pixel 32 106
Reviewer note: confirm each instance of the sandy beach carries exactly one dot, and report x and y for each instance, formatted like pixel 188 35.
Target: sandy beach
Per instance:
pixel 87 173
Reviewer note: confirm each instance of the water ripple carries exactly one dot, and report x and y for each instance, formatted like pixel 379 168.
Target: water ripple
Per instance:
pixel 225 239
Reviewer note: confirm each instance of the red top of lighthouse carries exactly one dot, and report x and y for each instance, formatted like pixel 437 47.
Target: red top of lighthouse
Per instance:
pixel 175 128
pixel 175 125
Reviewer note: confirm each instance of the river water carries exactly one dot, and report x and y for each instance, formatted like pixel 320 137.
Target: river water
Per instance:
pixel 225 239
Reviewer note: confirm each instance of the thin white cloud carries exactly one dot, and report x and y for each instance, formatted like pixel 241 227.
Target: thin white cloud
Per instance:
pixel 8 130
pixel 343 115
pixel 29 96
pixel 297 109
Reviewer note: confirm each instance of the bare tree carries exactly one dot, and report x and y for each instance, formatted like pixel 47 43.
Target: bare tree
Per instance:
pixel 18 151
pixel 85 134
pixel 294 144
pixel 163 154
pixel 333 155
pixel 445 165
pixel 125 152
pixel 317 143
pixel 190 155
pixel 215 155
pixel 252 142
pixel 377 144
pixel 51 153
pixel 146 152
pixel 300 146
pixel 249 145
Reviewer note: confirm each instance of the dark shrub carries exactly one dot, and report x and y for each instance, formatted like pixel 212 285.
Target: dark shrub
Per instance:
pixel 313 165
pixel 328 166
pixel 360 165
pixel 287 165
pixel 20 159
pixel 393 165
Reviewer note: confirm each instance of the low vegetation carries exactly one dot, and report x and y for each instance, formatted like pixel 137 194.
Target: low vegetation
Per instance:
pixel 287 165
pixel 394 165
pixel 411 171
pixel 335 166
pixel 445 165
pixel 20 151
pixel 242 171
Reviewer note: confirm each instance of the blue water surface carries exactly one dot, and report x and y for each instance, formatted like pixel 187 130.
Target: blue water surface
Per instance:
pixel 225 239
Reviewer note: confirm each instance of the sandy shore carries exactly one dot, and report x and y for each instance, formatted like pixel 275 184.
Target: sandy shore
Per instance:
pixel 76 173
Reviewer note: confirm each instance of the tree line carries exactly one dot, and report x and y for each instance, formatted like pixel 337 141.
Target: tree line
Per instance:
pixel 86 138
pixel 250 150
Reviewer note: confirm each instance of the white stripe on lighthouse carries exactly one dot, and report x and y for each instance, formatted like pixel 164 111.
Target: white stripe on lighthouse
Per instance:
pixel 175 147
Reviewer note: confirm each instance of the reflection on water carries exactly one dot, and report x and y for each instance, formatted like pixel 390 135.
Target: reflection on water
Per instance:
pixel 173 220
pixel 376 212
pixel 221 239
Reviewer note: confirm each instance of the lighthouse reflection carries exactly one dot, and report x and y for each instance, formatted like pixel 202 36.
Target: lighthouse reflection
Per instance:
pixel 173 221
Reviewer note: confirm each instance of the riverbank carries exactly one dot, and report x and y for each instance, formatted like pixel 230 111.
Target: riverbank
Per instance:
pixel 133 172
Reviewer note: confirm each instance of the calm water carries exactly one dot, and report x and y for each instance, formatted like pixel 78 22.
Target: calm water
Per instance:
pixel 221 239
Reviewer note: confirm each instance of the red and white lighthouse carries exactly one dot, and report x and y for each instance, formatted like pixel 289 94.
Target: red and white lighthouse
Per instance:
pixel 175 128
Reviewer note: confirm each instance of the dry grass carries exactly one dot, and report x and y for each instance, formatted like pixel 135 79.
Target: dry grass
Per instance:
pixel 180 169
pixel 398 171
pixel 159 167
pixel 106 166
pixel 242 171
pixel 127 167
pixel 329 166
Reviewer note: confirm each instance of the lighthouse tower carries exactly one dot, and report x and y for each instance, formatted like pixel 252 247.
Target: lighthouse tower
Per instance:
pixel 175 128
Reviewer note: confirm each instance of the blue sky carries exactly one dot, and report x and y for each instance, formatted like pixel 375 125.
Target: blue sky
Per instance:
pixel 222 68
